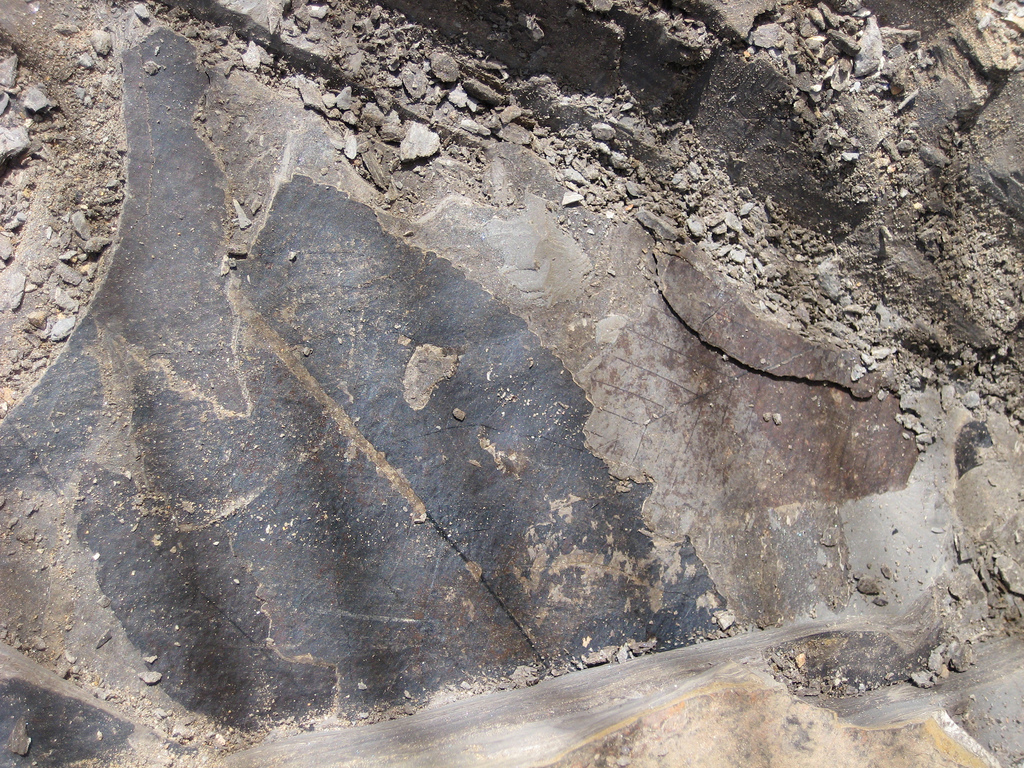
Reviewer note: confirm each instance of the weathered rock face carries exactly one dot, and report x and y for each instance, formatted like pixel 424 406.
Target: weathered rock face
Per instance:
pixel 434 358
pixel 998 162
pixel 279 522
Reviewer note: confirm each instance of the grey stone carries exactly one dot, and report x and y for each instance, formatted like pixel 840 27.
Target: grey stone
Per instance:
pixel 95 245
pixel 602 132
pixel 972 400
pixel 933 156
pixel 415 81
pixel 351 146
pixel 141 11
pixel 696 226
pixel 318 12
pixel 244 222
pixel 731 17
pixel 344 98
pixel 19 741
pixel 484 93
pixel 150 677
pixel 62 329
pixel 63 300
pixel 252 57
pixel 419 142
pixel 81 224
pixel 310 93
pixel 12 289
pixel 869 585
pixel 68 274
pixel 101 42
pixel 392 130
pixel 13 141
pixel 869 59
pixel 661 229
pixel 571 198
pixel 8 71
pixel 844 42
pixel 458 98
pixel 516 134
pixel 36 101
pixel 771 36
pixel 922 680
pixel 444 67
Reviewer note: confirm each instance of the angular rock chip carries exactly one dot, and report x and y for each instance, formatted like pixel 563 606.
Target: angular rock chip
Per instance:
pixel 419 142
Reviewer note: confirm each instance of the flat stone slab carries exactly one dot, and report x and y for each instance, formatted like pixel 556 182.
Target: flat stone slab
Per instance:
pixel 268 476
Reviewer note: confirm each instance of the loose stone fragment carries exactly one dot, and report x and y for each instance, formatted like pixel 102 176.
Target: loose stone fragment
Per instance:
pixel 36 101
pixel 8 71
pixel 484 93
pixel 419 142
pixel 19 741
pixel 869 586
pixel 62 329
pixel 869 59
pixel 251 58
pixel 13 141
pixel 444 67
pixel 662 229
pixel 602 132
pixel 101 42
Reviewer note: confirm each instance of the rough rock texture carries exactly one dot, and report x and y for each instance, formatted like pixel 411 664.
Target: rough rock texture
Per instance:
pixel 423 356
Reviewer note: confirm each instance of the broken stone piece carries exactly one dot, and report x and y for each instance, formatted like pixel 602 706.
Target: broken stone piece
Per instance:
pixel 19 741
pixel 95 245
pixel 13 141
pixel 428 367
pixel 444 67
pixel 62 329
pixel 869 59
pixel 251 58
pixel 101 42
pixel 419 142
pixel 8 71
pixel 660 228
pixel 484 93
pixel 602 132
pixel 150 677
pixel 36 101
pixel 869 585
pixel 81 224
pixel 771 36
pixel 141 11
pixel 12 289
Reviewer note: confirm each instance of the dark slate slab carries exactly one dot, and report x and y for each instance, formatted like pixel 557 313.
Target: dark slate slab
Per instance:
pixel 45 721
pixel 511 488
pixel 240 457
